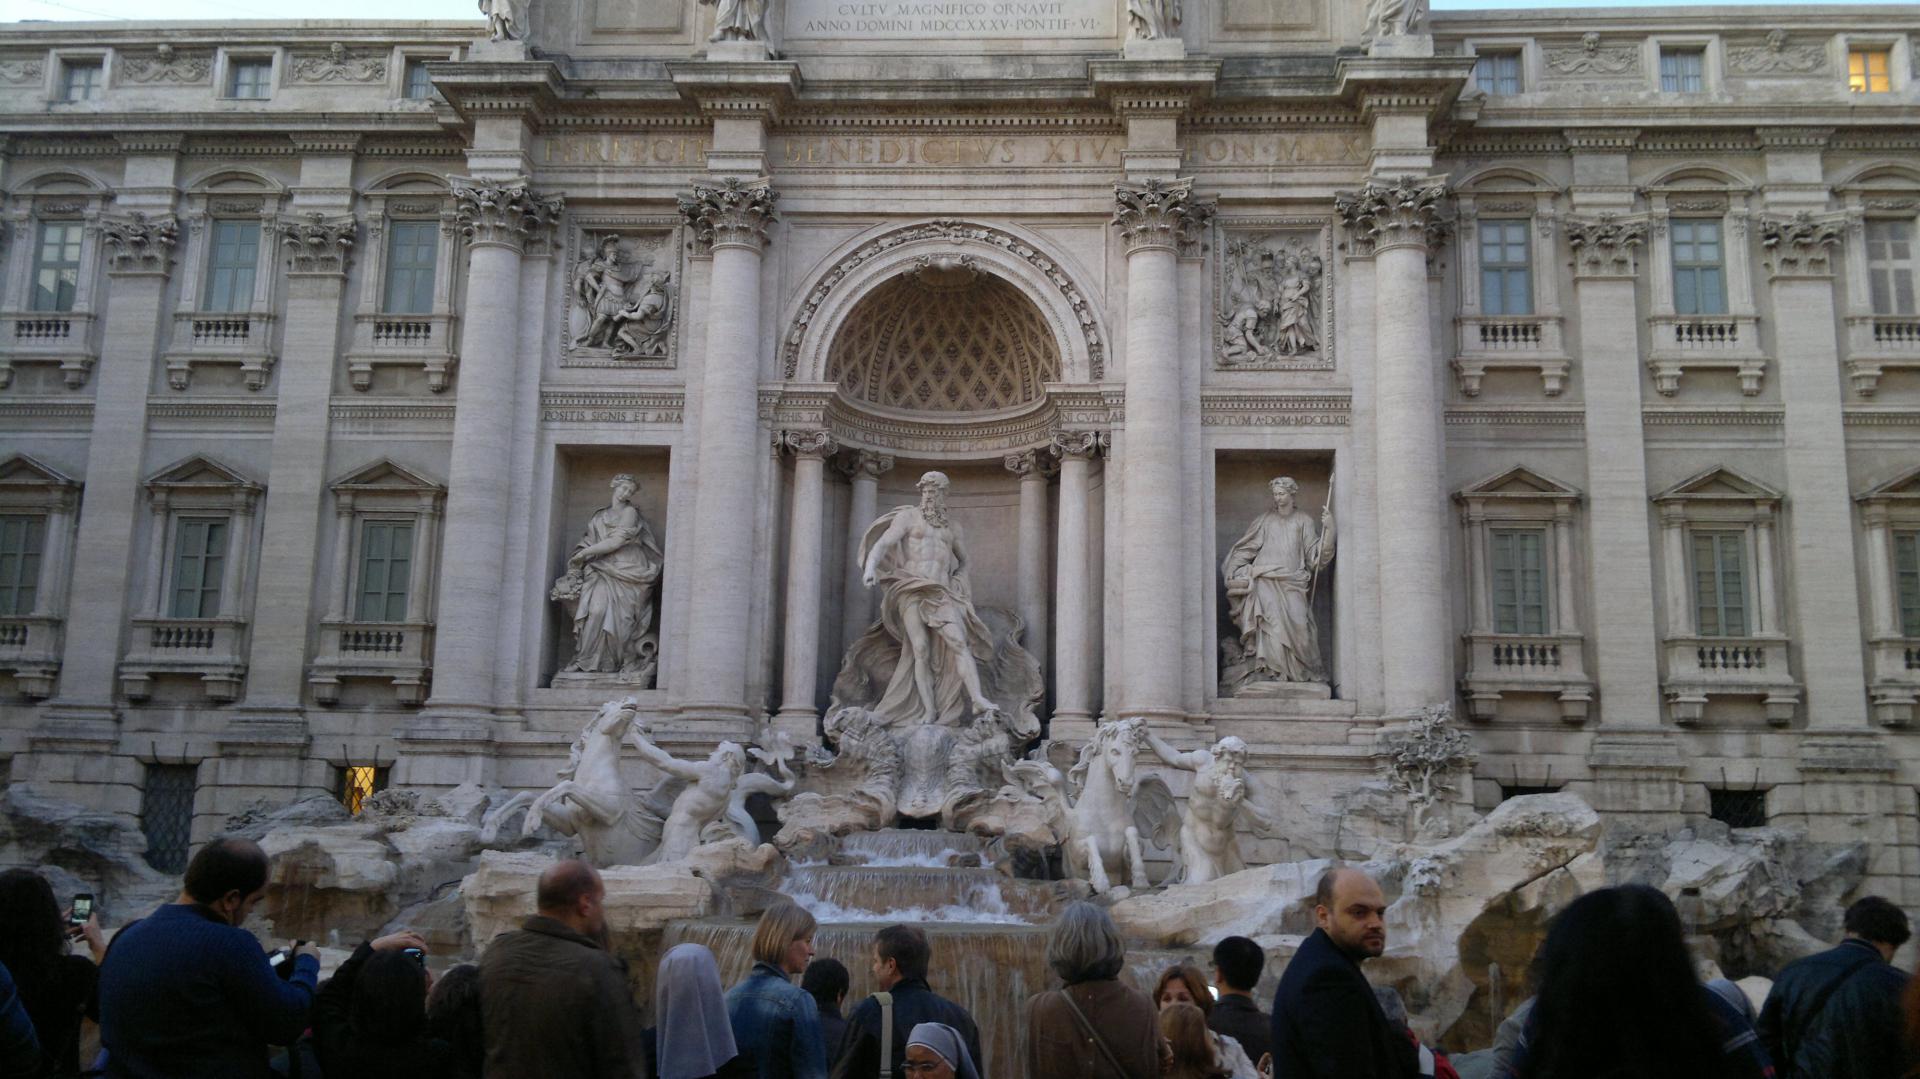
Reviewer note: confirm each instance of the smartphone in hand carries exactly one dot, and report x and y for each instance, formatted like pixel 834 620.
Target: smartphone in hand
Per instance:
pixel 82 909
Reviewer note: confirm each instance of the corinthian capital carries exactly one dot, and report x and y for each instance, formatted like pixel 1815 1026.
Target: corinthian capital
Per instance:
pixel 1604 246
pixel 1158 213
pixel 1801 245
pixel 1078 443
pixel 1401 213
pixel 733 214
pixel 809 443
pixel 506 212
pixel 140 244
pixel 318 244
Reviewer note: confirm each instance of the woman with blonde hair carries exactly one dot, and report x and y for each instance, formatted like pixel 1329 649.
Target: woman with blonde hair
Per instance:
pixel 775 1023
pixel 1185 1028
pixel 1184 984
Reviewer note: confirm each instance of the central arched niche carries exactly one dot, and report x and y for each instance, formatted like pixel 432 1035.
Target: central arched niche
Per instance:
pixel 944 337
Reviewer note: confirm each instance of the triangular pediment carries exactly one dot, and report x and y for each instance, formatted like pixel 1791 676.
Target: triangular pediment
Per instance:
pixel 1518 482
pixel 1905 486
pixel 198 471
pixel 21 470
pixel 384 475
pixel 1720 482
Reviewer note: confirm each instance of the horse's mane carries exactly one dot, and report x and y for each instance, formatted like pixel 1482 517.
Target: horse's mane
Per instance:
pixel 1077 775
pixel 580 740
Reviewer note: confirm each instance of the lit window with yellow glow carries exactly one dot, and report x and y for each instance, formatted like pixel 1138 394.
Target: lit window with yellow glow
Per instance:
pixel 357 781
pixel 1867 71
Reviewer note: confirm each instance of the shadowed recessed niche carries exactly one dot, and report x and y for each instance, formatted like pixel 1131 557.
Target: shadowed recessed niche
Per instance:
pixel 944 337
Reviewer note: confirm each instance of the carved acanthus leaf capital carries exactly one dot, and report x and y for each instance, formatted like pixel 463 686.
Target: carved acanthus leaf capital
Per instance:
pixel 1023 464
pixel 809 443
pixel 1078 443
pixel 140 244
pixel 318 244
pixel 866 463
pixel 506 212
pixel 1401 213
pixel 1159 214
pixel 735 213
pixel 1605 246
pixel 1801 245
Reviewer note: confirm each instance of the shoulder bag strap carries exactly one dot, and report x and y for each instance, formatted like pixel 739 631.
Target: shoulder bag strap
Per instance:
pixel 1820 1004
pixel 1099 1043
pixel 886 1034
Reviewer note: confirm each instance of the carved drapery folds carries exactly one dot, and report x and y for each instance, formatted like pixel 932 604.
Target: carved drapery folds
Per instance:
pixel 734 213
pixel 1801 245
pixel 1401 213
pixel 1605 246
pixel 1159 213
pixel 318 244
pixel 140 244
pixel 506 212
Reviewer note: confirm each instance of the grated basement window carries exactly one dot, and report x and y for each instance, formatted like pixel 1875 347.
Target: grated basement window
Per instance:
pixel 357 781
pixel 166 814
pixel 1738 809
pixel 1518 791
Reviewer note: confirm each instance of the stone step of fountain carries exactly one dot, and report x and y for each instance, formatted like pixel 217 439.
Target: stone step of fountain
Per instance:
pixel 990 970
pixel 910 847
pixel 891 893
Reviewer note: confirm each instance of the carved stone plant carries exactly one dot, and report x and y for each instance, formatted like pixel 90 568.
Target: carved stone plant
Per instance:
pixel 1424 762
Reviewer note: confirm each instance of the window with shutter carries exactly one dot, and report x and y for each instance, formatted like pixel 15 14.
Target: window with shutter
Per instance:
pixel 1890 266
pixel 386 567
pixel 1519 580
pixel 231 258
pixel 1699 273
pixel 199 562
pixel 1506 274
pixel 1719 583
pixel 412 249
pixel 1906 572
pixel 21 537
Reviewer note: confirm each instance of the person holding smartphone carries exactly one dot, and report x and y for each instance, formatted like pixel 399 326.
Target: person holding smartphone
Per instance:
pixel 370 1018
pixel 55 987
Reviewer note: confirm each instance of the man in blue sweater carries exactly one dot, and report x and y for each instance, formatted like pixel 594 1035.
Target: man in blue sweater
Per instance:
pixel 187 994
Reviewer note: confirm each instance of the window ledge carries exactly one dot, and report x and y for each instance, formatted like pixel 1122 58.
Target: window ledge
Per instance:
pixel 397 652
pixel 213 648
pixel 59 337
pixel 30 651
pixel 424 341
pixel 1702 667
pixel 1500 663
pixel 1512 342
pixel 1878 342
pixel 1896 680
pixel 1683 343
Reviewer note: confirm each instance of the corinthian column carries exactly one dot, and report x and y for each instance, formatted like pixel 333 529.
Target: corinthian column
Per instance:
pixel 1031 567
pixel 1072 718
pixel 802 649
pixel 1154 218
pixel 856 607
pixel 730 220
pixel 497 218
pixel 1399 221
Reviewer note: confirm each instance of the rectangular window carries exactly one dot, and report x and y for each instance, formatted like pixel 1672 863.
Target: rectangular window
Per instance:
pixel 20 546
pixel 81 80
pixel 386 568
pixel 250 77
pixel 357 781
pixel 199 563
pixel 1719 583
pixel 230 266
pixel 1519 580
pixel 1506 278
pixel 1868 71
pixel 1890 266
pixel 1497 73
pixel 166 814
pixel 56 265
pixel 1683 71
pixel 1906 573
pixel 418 84
pixel 412 249
pixel 1699 272
pixel 1738 809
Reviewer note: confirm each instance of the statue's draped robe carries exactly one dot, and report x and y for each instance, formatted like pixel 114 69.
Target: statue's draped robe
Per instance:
pixel 1274 615
pixel 934 604
pixel 615 609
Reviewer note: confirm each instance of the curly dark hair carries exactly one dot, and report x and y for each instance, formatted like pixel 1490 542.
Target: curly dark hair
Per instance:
pixel 33 936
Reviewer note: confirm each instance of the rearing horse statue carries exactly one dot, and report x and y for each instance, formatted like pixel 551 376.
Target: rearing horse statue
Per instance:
pixel 1113 808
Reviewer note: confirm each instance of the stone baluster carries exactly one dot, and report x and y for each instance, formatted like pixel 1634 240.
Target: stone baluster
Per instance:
pixel 730 220
pixel 1399 221
pixel 856 607
pixel 1031 566
pixel 1073 589
pixel 800 672
pixel 1154 218
pixel 497 218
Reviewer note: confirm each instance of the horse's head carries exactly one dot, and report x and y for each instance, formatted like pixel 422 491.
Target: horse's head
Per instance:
pixel 1111 749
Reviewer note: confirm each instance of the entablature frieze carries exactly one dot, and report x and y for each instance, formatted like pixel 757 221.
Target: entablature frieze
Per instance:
pixel 595 407
pixel 1241 409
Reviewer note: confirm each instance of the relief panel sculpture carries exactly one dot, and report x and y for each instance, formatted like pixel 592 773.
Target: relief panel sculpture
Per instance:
pixel 1275 301
pixel 622 299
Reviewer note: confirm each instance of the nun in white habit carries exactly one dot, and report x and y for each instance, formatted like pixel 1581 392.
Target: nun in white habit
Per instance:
pixel 692 1037
pixel 937 1051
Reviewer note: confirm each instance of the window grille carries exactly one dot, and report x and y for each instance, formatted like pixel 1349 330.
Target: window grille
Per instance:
pixel 1738 809
pixel 166 814
pixel 357 781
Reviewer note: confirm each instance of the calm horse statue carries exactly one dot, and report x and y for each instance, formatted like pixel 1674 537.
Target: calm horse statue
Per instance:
pixel 1114 808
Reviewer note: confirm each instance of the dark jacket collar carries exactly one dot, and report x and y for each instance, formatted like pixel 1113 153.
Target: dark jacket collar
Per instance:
pixel 1864 944
pixel 1237 1001
pixel 910 985
pixel 549 927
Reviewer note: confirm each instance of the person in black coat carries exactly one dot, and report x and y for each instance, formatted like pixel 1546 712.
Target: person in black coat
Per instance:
pixel 56 988
pixel 826 980
pixel 370 1018
pixel 1326 1022
pixel 1836 1015
pixel 900 955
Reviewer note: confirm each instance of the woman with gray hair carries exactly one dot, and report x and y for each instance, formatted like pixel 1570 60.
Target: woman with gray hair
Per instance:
pixel 1095 1026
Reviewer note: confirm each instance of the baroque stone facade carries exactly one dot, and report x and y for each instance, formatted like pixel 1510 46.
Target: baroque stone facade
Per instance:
pixel 1595 333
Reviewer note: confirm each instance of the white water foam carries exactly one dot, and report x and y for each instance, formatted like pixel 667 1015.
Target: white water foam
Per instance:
pixel 985 906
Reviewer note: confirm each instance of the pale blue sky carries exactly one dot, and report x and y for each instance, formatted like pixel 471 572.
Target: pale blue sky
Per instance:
pixel 465 9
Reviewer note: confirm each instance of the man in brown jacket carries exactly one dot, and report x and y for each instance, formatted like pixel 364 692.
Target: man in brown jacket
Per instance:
pixel 554 1002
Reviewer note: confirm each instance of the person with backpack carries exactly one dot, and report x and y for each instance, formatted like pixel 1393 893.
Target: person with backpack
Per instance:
pixel 1836 1015
pixel 900 959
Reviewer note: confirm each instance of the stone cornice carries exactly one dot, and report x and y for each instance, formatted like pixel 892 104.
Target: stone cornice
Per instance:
pixel 1427 86
pixel 477 88
pixel 1144 88
pixel 760 89
pixel 1158 214
pixel 734 213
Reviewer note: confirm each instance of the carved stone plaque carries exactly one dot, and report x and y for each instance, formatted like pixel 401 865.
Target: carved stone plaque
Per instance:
pixel 623 293
pixel 1273 295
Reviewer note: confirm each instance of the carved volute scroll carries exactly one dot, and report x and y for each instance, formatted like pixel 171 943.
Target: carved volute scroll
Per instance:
pixel 507 212
pixel 1401 213
pixel 1158 213
pixel 1078 443
pixel 735 213
pixel 140 244
pixel 1605 246
pixel 809 443
pixel 318 244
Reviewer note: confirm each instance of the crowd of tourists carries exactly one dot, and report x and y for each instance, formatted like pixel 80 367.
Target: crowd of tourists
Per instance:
pixel 186 993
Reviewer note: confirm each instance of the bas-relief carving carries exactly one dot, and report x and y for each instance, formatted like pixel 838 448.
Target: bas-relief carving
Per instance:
pixel 1274 300
pixel 337 64
pixel 621 299
pixel 1590 58
pixel 167 65
pixel 1605 246
pixel 608 592
pixel 137 242
pixel 316 243
pixel 1271 573
pixel 1424 762
pixel 19 71
pixel 1776 57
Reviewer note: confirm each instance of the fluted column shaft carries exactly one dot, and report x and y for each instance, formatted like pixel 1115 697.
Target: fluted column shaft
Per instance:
pixel 731 221
pixel 1072 585
pixel 1031 565
pixel 1398 219
pixel 497 219
pixel 804 544
pixel 856 606
pixel 1153 219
